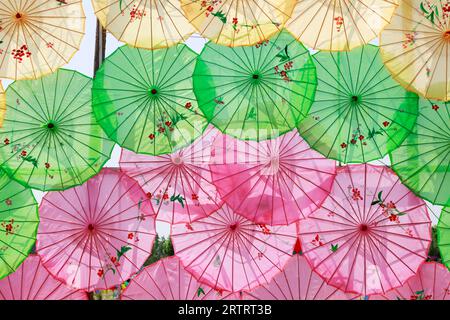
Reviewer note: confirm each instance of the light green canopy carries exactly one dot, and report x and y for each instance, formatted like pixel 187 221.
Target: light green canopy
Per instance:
pixel 443 236
pixel 423 160
pixel 144 99
pixel 18 224
pixel 257 92
pixel 50 139
pixel 360 113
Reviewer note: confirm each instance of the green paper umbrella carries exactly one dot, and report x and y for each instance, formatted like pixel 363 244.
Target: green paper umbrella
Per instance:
pixel 50 140
pixel 18 224
pixel 144 99
pixel 360 113
pixel 443 236
pixel 256 92
pixel 423 160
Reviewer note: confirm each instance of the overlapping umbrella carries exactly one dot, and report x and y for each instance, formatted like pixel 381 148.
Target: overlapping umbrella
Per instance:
pixel 275 182
pixel 231 253
pixel 2 104
pixel 360 113
pixel 96 235
pixel 443 236
pixel 179 185
pixel 237 23
pixel 423 159
pixel 432 282
pixel 257 92
pixel 50 140
pixel 168 280
pixel 18 224
pixel 37 37
pixel 144 100
pixel 339 25
pixel 370 235
pixel 415 47
pixel 33 282
pixel 144 24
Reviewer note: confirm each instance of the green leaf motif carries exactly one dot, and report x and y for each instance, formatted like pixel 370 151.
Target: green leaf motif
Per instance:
pixel 334 247
pixel 221 16
pixel 123 250
pixel 178 198
pixel 283 55
pixel 30 159
pixel 200 291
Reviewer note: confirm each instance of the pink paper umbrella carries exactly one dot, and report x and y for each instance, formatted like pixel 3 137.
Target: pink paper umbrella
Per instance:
pixel 231 253
pixel 168 280
pixel 96 235
pixel 432 282
pixel 179 184
pixel 297 282
pixel 274 182
pixel 370 235
pixel 33 282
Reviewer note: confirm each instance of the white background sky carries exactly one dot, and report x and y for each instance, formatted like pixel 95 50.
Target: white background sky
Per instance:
pixel 83 62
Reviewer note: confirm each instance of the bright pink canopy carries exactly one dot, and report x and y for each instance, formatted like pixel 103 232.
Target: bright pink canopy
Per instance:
pixel 33 282
pixel 297 281
pixel 167 279
pixel 432 282
pixel 275 182
pixel 231 253
pixel 370 235
pixel 179 184
pixel 96 235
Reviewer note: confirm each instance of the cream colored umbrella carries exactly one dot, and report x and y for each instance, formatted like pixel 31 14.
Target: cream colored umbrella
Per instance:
pixel 149 24
pixel 415 47
pixel 2 104
pixel 339 25
pixel 238 22
pixel 38 36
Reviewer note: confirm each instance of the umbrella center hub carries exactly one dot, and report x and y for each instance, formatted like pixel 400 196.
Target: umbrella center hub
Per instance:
pixel 91 227
pixel 50 125
pixel 18 16
pixel 355 99
pixel 153 92
pixel 447 35
pixel 177 160
pixel 233 226
pixel 364 228
pixel 256 78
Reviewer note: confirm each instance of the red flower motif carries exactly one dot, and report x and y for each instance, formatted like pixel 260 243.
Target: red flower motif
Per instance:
pixel 149 195
pixel 6 141
pixel 165 196
pixel 8 202
pixel 23 153
pixel 235 21
pixel 113 259
pixel 343 145
pixel 161 130
pixel 100 273
pixel 393 217
pixel 194 196
pixel 353 141
pixel 435 107
pixel 151 136
pixel 188 105
pixel 130 235
pixel 356 194
pixel 168 123
pixel 361 137
pixel 47 165
pixel 386 123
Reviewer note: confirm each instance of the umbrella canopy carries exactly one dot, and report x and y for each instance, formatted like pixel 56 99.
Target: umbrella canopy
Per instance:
pixel 37 37
pixel 360 113
pixel 144 100
pixel 231 253
pixel 237 23
pixel 2 104
pixel 50 140
pixel 443 236
pixel 257 92
pixel 339 25
pixel 371 234
pixel 96 235
pixel 415 47
pixel 297 281
pixel 144 24
pixel 33 282
pixel 18 224
pixel 432 282
pixel 167 279
pixel 422 161
pixel 179 185
pixel 274 182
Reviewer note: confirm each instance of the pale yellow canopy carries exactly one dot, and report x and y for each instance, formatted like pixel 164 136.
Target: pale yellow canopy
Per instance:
pixel 2 104
pixel 339 25
pixel 415 47
pixel 238 23
pixel 38 36
pixel 151 24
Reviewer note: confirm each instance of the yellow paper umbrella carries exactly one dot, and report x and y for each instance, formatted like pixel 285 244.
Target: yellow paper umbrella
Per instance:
pixel 415 47
pixel 38 36
pixel 2 104
pixel 144 24
pixel 339 25
pixel 238 23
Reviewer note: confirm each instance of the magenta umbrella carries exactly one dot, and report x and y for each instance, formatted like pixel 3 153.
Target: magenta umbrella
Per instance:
pixel 274 182
pixel 231 253
pixel 167 279
pixel 96 235
pixel 178 184
pixel 33 282
pixel 370 235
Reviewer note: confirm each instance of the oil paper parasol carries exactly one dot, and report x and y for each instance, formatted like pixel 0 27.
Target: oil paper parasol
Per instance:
pixel 33 282
pixel 231 253
pixel 96 235
pixel 443 236
pixel 37 37
pixel 2 104
pixel 274 182
pixel 371 234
